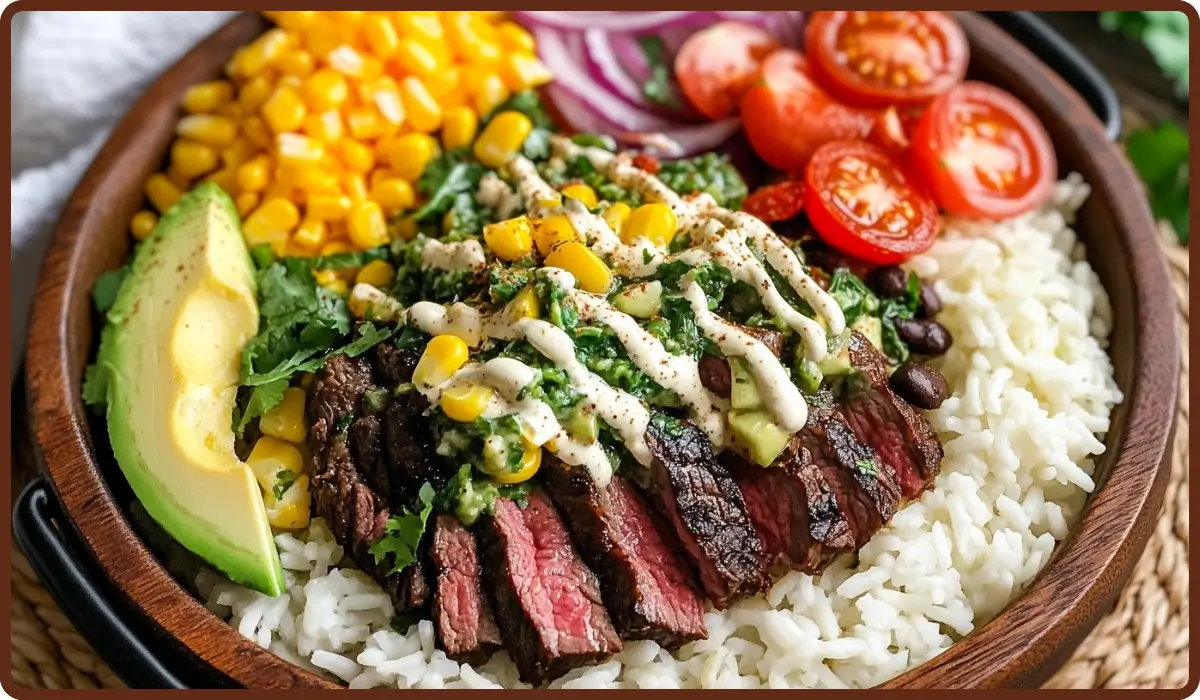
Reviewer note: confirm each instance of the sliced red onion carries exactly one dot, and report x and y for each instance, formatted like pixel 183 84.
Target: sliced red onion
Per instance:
pixel 607 68
pixel 606 21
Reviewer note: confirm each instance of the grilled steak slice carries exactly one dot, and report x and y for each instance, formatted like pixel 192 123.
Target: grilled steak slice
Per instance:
pixel 461 611
pixel 547 602
pixel 366 442
pixel 898 433
pixel 705 508
pixel 715 374
pixel 647 587
pixel 392 365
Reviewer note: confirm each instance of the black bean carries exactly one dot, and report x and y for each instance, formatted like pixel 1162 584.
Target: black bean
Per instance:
pixel 924 336
pixel 920 385
pixel 888 282
pixel 930 303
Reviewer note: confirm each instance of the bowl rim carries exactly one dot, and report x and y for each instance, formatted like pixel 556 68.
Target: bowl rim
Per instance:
pixel 1019 646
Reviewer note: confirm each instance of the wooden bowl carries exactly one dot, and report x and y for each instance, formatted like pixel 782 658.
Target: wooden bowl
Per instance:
pixel 1021 647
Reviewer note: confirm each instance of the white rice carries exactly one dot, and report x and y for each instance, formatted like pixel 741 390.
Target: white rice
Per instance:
pixel 1031 394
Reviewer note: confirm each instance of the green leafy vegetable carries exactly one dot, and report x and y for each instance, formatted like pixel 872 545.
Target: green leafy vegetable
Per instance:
pixel 1165 35
pixel 851 295
pixel 262 398
pixel 504 282
pixel 709 173
pixel 657 87
pixel 528 103
pixel 104 291
pixel 284 479
pixel 445 184
pixel 1160 157
pixel 402 534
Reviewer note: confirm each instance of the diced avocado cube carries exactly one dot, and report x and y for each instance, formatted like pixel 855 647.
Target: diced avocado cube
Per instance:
pixel 582 425
pixel 744 393
pixel 643 299
pixel 759 435
pixel 871 327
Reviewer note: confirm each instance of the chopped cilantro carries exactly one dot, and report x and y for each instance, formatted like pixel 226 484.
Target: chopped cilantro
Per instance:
pixel 402 534
pixel 284 479
pixel 657 87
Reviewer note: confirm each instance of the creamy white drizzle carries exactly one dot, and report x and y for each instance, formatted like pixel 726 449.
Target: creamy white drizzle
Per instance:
pixel 463 255
pixel 458 319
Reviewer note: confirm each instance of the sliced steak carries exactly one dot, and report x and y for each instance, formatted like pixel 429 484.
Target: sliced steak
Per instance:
pixel 392 365
pixel 411 449
pixel 547 602
pixel 462 614
pixel 714 370
pixel 366 443
pixel 646 585
pixel 705 508
pixel 898 433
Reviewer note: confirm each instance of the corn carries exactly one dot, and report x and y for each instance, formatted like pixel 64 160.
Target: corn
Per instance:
pixel 237 153
pixel 329 207
pixel 347 61
pixel 299 151
pixel 414 57
pixel 581 192
pixel 444 355
pixel 297 62
pixel 284 110
pixel 246 202
pixel 531 461
pixel 524 305
pixel 233 111
pixel 356 186
pixel 502 138
pixel 275 214
pixel 311 234
pixel 263 51
pixel 255 174
pixel 257 132
pixel 293 21
pixel 176 176
pixel 472 40
pixel 254 93
pixel 513 37
pixel 367 124
pixel 380 174
pixel 204 98
pixel 394 195
pixel 424 113
pixel 325 89
pixel 142 224
pixel 335 247
pixel 377 273
pixel 191 159
pixel 423 26
pixel 293 511
pixel 405 229
pixel 356 157
pixel 367 226
pixel 386 96
pixel 655 222
pixel 466 402
pixel 591 274
pixel 522 72
pixel 616 215
pixel 381 34
pixel 553 231
pixel 509 240
pixel 226 179
pixel 329 279
pixel 207 129
pixel 445 80
pixel 272 455
pixel 458 128
pixel 489 93
pixel 285 420
pixel 314 180
pixel 410 153
pixel 161 192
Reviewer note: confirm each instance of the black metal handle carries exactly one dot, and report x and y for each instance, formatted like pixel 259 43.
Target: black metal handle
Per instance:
pixel 1066 60
pixel 80 592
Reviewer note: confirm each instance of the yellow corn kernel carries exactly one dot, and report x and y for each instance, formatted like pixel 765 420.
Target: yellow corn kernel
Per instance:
pixel 405 229
pixel 299 151
pixel 589 270
pixel 142 224
pixel 325 127
pixel 161 192
pixel 257 133
pixel 524 305
pixel 385 95
pixel 616 215
pixel 232 111
pixel 511 239
pixel 444 355
pixel 181 180
pixel 349 17
pixel 355 156
pixel 378 175
pixel 523 72
pixel 502 138
pixel 207 97
pixel 325 89
pixel 263 51
pixel 473 40
pixel 237 153
pixel 329 207
pixel 423 112
pixel 581 192
pixel 531 461
pixel 466 402
pixel 381 34
pixel 226 179
pixel 315 180
pixel 276 239
pixel 335 247
pixel 255 174
pixel 246 202
pixel 284 110
pixel 489 93
pixel 347 61
pixel 423 26
pixel 254 93
pixel 410 153
pixel 366 124
pixel 355 185
pixel 208 129
pixel 192 159
pixel 394 195
pixel 414 57
pixel 455 97
pixel 297 63
pixel 311 234
pixel 292 512
pixel 276 214
pixel 293 21
pixel 272 455
pixel 442 82
pixel 458 127
pixel 377 273
pixel 285 420
pixel 653 221
pixel 515 38
pixel 367 226
pixel 553 231
pixel 329 279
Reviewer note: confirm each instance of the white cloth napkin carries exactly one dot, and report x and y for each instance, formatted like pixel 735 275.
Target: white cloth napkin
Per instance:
pixel 74 74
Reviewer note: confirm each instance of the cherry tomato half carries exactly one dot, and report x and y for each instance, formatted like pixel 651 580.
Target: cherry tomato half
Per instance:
pixel 778 202
pixel 786 116
pixel 880 58
pixel 861 203
pixel 983 154
pixel 716 65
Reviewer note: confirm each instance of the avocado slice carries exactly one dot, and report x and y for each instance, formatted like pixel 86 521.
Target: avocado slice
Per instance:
pixel 759 435
pixel 169 355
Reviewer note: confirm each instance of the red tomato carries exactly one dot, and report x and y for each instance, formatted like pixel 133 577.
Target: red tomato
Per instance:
pixel 880 58
pixel 647 162
pixel 716 65
pixel 983 154
pixel 861 203
pixel 787 117
pixel 889 133
pixel 778 202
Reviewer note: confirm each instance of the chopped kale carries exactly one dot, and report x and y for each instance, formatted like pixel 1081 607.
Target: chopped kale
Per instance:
pixel 709 173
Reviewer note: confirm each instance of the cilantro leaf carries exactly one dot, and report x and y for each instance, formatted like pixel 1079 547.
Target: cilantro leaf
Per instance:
pixel 460 177
pixel 657 87
pixel 402 534
pixel 284 479
pixel 104 291
pixel 1160 156
pixel 368 337
pixel 262 399
pixel 1164 34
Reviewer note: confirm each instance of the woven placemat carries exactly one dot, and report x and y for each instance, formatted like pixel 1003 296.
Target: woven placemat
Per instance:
pixel 1143 643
